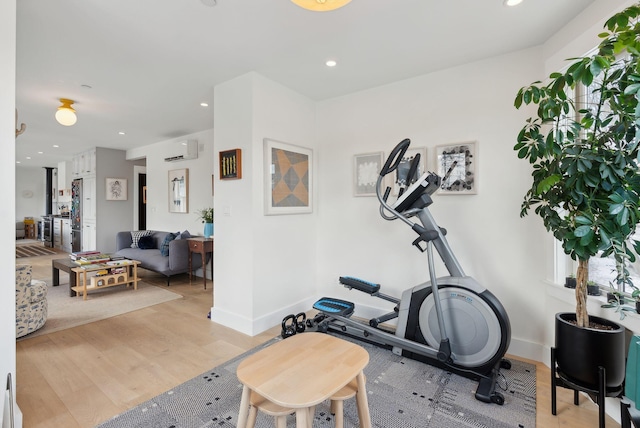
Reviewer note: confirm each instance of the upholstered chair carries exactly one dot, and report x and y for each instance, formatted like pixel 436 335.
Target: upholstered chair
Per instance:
pixel 31 302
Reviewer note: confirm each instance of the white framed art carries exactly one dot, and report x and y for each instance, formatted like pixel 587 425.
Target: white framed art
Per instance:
pixel 366 169
pixel 116 189
pixel 457 164
pixel 288 178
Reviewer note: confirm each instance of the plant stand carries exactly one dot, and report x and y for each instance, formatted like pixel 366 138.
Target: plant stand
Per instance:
pixel 597 395
pixel 630 416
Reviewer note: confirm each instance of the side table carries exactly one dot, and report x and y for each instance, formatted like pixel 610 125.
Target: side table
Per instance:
pixel 203 246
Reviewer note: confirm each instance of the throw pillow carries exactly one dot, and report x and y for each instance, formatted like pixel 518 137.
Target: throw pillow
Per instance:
pixel 136 235
pixel 185 235
pixel 146 243
pixel 164 248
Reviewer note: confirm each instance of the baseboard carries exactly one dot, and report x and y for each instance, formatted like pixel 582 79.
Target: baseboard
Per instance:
pixel 262 323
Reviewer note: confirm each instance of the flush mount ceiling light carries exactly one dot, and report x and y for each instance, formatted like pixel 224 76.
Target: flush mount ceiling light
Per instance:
pixel 66 115
pixel 321 5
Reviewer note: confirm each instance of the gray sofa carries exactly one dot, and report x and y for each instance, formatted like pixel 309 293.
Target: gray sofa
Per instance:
pixel 175 263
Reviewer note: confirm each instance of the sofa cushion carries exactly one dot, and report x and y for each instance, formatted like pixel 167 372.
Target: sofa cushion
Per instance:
pixel 136 235
pixel 164 247
pixel 146 243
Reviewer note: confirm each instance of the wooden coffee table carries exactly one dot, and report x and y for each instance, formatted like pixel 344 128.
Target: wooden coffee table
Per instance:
pixel 64 265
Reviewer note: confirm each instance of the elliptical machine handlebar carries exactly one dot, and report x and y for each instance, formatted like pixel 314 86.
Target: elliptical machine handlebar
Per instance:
pixel 395 157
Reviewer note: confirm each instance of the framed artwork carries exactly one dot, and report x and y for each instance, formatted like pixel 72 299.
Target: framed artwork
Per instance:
pixel 179 191
pixel 366 169
pixel 288 178
pixel 116 189
pixel 400 175
pixel 230 164
pixel 458 165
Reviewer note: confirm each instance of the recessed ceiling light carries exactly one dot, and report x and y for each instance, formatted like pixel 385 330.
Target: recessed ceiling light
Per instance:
pixel 204 104
pixel 56 146
pixel 121 133
pixel 40 153
pixel 331 63
pixel 85 86
pixel 17 161
pixel 512 2
pixel 28 157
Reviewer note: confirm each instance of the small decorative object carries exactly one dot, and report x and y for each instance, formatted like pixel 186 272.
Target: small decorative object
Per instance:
pixel 231 164
pixel 116 189
pixel 366 169
pixel 570 281
pixel 179 191
pixel 289 178
pixel 206 215
pixel 458 166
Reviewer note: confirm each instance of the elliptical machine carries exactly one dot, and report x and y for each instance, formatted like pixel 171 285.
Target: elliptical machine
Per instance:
pixel 451 322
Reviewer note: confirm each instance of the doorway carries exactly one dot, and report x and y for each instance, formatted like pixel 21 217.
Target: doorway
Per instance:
pixel 142 201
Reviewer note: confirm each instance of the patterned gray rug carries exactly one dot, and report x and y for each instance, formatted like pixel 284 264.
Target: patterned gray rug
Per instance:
pixel 403 393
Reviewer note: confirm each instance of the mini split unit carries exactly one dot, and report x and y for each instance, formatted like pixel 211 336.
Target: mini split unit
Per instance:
pixel 185 150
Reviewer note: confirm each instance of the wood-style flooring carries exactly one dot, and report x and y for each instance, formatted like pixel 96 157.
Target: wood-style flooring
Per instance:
pixel 82 376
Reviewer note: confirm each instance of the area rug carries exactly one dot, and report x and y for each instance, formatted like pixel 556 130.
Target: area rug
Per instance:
pixel 33 250
pixel 402 393
pixel 66 312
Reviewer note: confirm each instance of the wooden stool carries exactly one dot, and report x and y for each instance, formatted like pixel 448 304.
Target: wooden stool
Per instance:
pixel 258 402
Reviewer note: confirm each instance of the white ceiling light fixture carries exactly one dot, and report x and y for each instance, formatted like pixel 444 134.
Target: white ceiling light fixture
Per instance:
pixel 321 5
pixel 512 2
pixel 331 63
pixel 66 115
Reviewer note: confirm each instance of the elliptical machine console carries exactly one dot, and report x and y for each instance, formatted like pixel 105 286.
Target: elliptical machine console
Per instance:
pixel 451 322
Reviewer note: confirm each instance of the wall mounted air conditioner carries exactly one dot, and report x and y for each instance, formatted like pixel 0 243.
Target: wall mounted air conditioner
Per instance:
pixel 186 149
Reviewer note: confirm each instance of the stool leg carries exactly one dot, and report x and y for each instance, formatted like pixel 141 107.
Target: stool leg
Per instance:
pixel 253 414
pixel 337 408
pixel 576 397
pixel 281 422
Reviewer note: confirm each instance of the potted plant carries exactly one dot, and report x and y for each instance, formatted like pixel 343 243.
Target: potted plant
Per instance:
pixel 593 289
pixel 636 297
pixel 586 181
pixel 570 281
pixel 206 215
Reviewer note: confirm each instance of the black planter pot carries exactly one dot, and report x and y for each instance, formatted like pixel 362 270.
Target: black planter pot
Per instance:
pixel 570 282
pixel 638 307
pixel 593 290
pixel 580 351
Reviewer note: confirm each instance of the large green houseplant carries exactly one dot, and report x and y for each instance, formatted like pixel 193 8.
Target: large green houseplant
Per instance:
pixel 583 146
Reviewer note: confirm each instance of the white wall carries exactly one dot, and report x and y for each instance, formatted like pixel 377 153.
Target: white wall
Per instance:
pixel 32 179
pixel 7 208
pixel 267 265
pixel 200 193
pixel 469 103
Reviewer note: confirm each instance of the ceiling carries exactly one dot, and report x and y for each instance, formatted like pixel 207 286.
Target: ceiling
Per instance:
pixel 143 67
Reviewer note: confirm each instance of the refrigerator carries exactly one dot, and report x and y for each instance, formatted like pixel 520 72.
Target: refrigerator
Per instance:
pixel 76 215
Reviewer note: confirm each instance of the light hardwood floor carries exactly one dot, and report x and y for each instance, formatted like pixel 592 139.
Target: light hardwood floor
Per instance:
pixel 82 376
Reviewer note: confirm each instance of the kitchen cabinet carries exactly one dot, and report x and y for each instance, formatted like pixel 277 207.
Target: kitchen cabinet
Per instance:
pixel 62 234
pixel 89 199
pixel 89 237
pixel 84 163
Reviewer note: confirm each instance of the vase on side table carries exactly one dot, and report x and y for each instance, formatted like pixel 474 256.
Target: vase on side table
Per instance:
pixel 208 230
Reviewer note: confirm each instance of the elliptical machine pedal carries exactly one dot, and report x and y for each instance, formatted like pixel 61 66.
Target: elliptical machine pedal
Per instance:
pixel 332 306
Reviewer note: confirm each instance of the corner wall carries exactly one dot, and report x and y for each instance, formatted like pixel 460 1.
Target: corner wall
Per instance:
pixel 268 266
